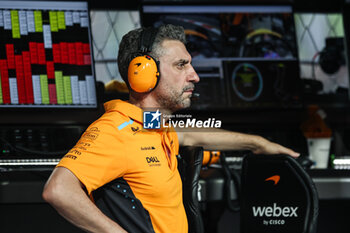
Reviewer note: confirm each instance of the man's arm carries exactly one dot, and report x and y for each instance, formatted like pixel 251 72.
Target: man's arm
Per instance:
pixel 218 139
pixel 65 193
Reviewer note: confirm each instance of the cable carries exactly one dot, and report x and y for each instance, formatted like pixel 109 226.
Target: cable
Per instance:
pixel 231 175
pixel 22 150
pixel 313 65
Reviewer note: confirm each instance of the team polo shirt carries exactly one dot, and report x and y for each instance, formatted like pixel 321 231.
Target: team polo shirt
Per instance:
pixel 130 173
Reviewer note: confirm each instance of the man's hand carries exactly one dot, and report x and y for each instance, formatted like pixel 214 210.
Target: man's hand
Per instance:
pixel 266 147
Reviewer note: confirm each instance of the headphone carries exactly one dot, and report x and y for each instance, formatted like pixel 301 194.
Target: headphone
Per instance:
pixel 332 56
pixel 143 70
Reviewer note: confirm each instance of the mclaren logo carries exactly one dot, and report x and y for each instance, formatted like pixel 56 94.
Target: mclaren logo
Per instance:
pixel 135 130
pixel 275 179
pixel 137 64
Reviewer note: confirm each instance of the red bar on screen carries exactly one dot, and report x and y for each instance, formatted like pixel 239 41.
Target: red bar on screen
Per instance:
pixel 20 79
pixel 72 55
pixel 86 48
pixel 28 77
pixel 64 52
pixel 56 52
pixel 79 52
pixel 50 70
pixel 33 49
pixel 41 54
pixel 5 82
pixel 52 94
pixel 10 54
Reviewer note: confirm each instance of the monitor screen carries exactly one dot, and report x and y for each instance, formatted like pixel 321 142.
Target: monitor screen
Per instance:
pixel 230 31
pixel 45 55
pixel 250 50
pixel 262 84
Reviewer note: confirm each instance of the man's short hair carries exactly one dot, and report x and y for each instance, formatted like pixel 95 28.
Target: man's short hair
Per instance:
pixel 129 46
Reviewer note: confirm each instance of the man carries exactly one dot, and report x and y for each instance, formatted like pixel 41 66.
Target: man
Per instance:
pixel 129 172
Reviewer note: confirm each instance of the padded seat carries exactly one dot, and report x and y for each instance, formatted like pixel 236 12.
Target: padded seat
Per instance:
pixel 189 166
pixel 277 196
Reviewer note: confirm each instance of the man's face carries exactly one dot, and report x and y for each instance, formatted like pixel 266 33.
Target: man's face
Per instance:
pixel 177 76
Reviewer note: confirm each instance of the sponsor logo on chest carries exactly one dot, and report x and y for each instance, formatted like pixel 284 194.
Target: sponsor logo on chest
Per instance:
pixel 153 161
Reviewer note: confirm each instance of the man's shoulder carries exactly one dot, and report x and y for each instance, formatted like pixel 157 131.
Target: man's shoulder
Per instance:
pixel 109 120
pixel 114 116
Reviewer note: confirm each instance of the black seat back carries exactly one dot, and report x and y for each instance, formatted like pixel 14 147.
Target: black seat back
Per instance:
pixel 277 196
pixel 189 166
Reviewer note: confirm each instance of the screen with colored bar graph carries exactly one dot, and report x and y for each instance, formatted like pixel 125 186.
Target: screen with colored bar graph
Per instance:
pixel 45 55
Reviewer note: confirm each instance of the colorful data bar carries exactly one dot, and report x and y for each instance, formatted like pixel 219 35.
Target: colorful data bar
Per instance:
pixel 39 65
pixel 22 22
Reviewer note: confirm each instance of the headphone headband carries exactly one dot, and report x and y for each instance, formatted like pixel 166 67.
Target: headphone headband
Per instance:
pixel 148 36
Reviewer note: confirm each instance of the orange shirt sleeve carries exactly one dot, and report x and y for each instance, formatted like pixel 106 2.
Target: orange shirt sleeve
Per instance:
pixel 99 155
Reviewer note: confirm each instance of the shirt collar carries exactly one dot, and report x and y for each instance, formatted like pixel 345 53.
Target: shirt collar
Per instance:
pixel 125 108
pixel 131 111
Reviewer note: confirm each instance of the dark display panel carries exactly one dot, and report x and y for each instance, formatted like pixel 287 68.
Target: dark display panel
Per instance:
pixel 250 51
pixel 230 31
pixel 262 84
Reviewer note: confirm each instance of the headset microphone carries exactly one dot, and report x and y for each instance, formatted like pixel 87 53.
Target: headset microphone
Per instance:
pixel 195 96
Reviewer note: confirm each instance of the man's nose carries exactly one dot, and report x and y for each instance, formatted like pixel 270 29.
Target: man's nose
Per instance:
pixel 193 76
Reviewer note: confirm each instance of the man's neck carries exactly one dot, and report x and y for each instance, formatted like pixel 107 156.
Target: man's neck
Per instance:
pixel 146 102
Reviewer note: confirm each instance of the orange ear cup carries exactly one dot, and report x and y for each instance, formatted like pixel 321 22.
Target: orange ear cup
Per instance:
pixel 143 74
